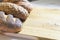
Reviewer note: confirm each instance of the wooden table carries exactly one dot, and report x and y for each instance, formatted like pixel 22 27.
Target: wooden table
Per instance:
pixel 43 22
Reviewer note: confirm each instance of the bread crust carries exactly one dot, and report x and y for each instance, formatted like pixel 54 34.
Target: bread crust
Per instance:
pixel 15 10
pixel 24 3
pixel 9 24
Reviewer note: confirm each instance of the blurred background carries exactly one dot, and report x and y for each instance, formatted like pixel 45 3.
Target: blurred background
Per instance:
pixel 46 2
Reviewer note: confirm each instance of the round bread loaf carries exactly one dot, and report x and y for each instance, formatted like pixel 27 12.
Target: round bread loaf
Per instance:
pixel 9 24
pixel 24 3
pixel 15 10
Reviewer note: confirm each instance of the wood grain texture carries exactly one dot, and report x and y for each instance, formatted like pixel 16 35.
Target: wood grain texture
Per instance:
pixel 43 22
pixel 11 36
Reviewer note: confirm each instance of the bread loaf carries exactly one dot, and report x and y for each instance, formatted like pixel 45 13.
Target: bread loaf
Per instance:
pixel 9 23
pixel 15 10
pixel 24 3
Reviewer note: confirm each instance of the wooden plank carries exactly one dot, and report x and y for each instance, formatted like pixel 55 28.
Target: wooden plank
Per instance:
pixel 12 36
pixel 18 36
pixel 43 22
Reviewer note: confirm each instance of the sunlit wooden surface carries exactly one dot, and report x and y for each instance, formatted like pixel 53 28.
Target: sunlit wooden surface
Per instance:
pixel 43 22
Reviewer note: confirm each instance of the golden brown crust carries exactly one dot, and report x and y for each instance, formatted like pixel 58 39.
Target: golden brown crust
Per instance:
pixel 24 3
pixel 9 24
pixel 15 10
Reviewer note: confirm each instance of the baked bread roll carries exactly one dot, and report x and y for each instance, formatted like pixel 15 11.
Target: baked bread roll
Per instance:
pixel 15 10
pixel 10 11
pixel 24 3
pixel 9 24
